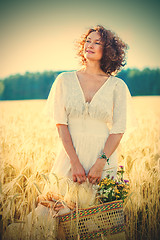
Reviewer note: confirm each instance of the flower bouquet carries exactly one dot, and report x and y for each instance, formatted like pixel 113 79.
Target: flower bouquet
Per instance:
pixel 110 189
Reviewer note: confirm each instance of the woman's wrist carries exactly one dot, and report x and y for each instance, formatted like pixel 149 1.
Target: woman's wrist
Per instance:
pixel 101 162
pixel 104 157
pixel 74 160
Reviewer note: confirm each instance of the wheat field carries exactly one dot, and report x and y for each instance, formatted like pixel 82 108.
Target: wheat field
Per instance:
pixel 28 144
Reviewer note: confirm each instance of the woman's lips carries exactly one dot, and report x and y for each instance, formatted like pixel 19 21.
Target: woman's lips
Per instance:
pixel 89 51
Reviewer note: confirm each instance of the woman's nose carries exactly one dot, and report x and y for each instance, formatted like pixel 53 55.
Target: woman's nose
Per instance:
pixel 90 45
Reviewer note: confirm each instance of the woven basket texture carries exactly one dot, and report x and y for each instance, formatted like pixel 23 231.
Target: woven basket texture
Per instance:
pixel 96 222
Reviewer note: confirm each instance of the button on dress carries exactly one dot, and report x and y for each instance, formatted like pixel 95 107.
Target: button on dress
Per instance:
pixel 89 124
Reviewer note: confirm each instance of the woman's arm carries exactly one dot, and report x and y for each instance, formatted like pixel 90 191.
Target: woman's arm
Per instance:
pixel 77 169
pixel 96 170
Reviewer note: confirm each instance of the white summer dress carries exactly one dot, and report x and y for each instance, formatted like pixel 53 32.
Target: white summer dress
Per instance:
pixel 89 123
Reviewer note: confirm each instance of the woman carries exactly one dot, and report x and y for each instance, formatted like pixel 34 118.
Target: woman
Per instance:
pixel 89 109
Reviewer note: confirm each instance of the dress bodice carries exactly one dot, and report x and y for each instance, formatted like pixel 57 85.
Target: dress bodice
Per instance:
pixel 109 104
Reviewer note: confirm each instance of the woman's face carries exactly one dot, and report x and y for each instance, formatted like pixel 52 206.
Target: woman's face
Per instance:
pixel 93 47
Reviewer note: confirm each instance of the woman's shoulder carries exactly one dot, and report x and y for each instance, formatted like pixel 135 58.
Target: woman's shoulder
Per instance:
pixel 65 79
pixel 65 75
pixel 62 77
pixel 118 81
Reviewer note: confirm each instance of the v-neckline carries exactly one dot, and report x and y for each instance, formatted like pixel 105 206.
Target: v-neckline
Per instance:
pixel 95 92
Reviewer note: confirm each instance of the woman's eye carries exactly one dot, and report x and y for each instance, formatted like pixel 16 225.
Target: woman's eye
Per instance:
pixel 89 41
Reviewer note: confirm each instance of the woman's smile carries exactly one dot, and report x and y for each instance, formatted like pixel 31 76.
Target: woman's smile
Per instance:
pixel 89 51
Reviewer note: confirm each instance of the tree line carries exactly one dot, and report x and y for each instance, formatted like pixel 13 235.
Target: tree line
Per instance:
pixel 37 85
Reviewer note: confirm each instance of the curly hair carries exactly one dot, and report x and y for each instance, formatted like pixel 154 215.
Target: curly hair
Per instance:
pixel 114 50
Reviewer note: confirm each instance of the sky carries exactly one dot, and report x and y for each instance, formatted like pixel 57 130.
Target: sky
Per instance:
pixel 39 36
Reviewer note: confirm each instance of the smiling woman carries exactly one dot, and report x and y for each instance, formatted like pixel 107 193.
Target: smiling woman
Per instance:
pixel 114 49
pixel 89 110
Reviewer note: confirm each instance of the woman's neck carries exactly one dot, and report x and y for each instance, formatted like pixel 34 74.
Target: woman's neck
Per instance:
pixel 93 69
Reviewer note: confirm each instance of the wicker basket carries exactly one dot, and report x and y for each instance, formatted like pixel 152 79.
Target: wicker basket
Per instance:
pixel 95 222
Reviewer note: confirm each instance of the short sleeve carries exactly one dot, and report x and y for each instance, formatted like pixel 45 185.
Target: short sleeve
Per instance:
pixel 55 104
pixel 123 119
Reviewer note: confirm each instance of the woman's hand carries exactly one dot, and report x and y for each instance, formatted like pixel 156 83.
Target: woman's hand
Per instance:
pixel 95 173
pixel 78 172
pixel 77 169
